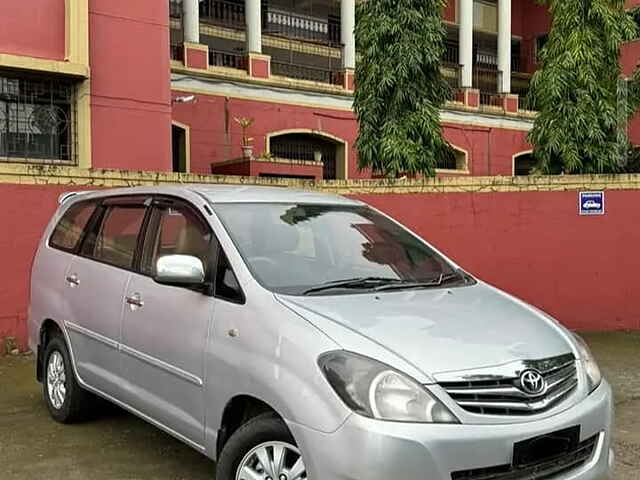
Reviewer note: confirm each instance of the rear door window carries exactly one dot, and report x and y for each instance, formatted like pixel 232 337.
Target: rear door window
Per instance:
pixel 68 231
pixel 116 240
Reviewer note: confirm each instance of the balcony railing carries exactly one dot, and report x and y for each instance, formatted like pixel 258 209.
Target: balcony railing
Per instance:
pixel 221 58
pixel 304 72
pixel 302 27
pixel 451 54
pixel 224 13
pixel 176 52
pixel 175 9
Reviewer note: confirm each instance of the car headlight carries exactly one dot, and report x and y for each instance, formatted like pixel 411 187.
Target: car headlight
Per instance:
pixel 375 390
pixel 594 376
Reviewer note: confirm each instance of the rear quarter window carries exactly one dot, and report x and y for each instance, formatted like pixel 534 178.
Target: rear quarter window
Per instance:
pixel 68 231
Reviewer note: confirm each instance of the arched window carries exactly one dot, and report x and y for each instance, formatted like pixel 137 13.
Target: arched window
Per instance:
pixel 523 164
pixel 310 147
pixel 456 160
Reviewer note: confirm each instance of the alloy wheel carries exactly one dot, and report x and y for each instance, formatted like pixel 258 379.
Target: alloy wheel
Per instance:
pixel 272 461
pixel 56 380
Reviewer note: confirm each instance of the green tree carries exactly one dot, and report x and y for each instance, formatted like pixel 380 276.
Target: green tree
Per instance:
pixel 400 89
pixel 578 128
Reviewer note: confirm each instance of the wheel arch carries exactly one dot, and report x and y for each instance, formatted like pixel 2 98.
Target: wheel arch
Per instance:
pixel 239 410
pixel 48 329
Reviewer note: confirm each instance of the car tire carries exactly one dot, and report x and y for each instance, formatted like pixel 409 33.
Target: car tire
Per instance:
pixel 66 400
pixel 266 432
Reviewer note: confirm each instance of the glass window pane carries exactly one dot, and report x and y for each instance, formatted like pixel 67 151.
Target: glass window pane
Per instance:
pixel 68 232
pixel 117 240
pixel 181 232
pixel 290 248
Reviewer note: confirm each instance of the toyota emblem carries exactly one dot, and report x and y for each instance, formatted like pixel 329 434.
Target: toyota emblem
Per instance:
pixel 532 382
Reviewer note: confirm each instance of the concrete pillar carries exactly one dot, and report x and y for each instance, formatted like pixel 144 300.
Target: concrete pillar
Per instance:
pixel 347 27
pixel 253 16
pixel 191 21
pixel 504 46
pixel 466 43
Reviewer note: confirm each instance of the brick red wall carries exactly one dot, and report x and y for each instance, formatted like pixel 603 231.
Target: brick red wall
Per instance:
pixel 215 136
pixel 580 269
pixel 535 245
pixel 130 85
pixel 25 212
pixel 34 29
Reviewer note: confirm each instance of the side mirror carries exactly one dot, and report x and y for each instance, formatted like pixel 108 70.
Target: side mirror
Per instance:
pixel 179 270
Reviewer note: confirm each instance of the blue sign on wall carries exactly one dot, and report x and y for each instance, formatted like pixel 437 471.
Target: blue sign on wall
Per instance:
pixel 591 203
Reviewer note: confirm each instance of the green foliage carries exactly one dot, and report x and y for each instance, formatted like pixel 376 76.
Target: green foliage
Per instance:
pixel 578 129
pixel 400 88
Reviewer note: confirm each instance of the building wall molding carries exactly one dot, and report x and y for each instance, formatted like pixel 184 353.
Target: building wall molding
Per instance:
pixel 77 31
pixel 290 96
pixel 41 65
pixel 100 178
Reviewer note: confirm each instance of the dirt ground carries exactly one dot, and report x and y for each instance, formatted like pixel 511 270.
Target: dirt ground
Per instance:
pixel 119 446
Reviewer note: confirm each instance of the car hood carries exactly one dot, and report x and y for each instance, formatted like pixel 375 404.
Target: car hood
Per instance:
pixel 437 331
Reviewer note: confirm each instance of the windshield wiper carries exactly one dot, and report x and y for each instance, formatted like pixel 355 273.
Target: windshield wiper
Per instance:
pixel 358 282
pixel 436 282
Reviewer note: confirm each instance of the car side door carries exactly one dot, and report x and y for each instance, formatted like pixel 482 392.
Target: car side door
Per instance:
pixel 96 282
pixel 165 328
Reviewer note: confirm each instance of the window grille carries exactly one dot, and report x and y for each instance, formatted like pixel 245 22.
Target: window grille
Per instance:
pixel 37 119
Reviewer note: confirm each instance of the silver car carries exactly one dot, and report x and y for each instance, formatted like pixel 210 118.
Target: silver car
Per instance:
pixel 291 335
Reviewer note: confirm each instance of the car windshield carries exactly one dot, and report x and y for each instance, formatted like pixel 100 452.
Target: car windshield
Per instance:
pixel 302 249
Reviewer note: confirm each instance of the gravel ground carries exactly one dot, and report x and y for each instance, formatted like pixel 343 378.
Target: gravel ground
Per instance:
pixel 119 446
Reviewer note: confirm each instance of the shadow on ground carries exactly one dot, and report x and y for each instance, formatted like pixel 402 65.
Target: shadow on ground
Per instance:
pixel 118 446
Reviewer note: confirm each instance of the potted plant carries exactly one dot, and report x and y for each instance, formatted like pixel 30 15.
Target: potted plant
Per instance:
pixel 247 147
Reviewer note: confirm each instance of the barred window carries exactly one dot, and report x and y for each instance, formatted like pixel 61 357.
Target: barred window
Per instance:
pixel 36 119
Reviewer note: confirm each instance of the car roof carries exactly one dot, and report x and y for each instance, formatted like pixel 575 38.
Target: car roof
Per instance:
pixel 217 193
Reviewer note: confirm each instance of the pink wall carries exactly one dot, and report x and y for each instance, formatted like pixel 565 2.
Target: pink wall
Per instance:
pixel 215 137
pixel 582 270
pixel 449 13
pixel 531 20
pixel 490 149
pixel 130 87
pixel 630 57
pixel 34 29
pixel 26 218
pixel 535 245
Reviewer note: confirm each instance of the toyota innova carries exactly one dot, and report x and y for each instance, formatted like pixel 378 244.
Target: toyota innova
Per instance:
pixel 292 335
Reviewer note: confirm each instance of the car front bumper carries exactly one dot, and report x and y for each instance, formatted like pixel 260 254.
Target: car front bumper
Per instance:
pixel 366 449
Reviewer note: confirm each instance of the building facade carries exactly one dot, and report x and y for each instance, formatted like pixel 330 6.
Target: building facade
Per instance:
pixel 165 85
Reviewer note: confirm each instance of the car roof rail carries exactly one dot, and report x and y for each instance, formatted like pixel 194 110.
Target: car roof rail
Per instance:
pixel 68 195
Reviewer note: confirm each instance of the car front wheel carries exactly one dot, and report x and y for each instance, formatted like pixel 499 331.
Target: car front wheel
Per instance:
pixel 262 449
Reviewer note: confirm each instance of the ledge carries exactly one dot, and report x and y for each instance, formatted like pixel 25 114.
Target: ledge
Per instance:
pixel 73 177
pixel 42 65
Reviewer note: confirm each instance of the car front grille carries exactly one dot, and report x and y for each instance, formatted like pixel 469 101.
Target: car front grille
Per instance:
pixel 545 469
pixel 504 394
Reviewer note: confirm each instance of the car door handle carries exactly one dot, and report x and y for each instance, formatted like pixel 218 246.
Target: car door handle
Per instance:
pixel 73 280
pixel 134 301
